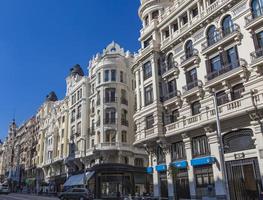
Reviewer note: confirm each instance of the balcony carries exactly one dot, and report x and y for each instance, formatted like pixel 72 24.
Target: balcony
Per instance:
pixel 237 68
pixel 257 59
pixel 254 18
pixel 171 98
pixel 170 70
pixel 192 87
pixel 221 37
pixel 110 121
pixel 124 101
pixel 189 58
pixel 124 122
pixel 227 111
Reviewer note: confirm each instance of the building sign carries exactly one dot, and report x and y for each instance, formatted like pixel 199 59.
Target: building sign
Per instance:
pixel 239 156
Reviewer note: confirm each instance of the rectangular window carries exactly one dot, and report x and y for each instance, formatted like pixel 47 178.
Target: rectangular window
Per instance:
pixel 62 149
pixel 171 86
pixel 178 151
pixel 73 99
pixel 113 75
pixel 260 40
pixel 147 70
pixel 174 116
pixel 79 128
pixel 73 113
pixel 124 136
pixel 204 180
pixel 195 107
pixel 147 42
pixel 215 64
pixel 200 146
pixel 149 121
pixel 99 78
pixel 62 133
pixel 195 11
pixel 232 58
pixel 73 130
pixel 79 112
pixel 110 95
pixel 106 75
pixel 184 19
pixel 121 77
pixel 175 27
pixel 148 92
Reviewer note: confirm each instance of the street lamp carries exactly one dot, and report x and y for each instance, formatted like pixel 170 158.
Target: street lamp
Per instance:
pixel 221 145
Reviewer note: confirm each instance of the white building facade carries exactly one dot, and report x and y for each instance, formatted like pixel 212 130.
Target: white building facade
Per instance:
pixel 191 51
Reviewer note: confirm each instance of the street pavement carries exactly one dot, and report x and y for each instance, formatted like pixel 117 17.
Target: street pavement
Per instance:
pixel 25 197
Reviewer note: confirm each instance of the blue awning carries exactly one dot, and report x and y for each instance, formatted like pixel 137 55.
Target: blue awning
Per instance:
pixel 203 161
pixel 161 168
pixel 149 170
pixel 79 179
pixel 180 164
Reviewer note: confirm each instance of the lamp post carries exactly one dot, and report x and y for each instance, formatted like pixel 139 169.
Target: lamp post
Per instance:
pixel 221 146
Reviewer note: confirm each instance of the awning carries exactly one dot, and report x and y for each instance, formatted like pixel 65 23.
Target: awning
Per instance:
pixel 161 168
pixel 203 161
pixel 149 170
pixel 78 179
pixel 180 164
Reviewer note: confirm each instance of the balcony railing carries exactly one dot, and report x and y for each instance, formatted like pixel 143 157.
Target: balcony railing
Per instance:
pixel 228 67
pixel 166 68
pixel 110 121
pixel 254 15
pixel 124 122
pixel 147 75
pixel 189 55
pixel 191 85
pixel 220 35
pixel 171 95
pixel 256 54
pixel 110 100
pixel 124 101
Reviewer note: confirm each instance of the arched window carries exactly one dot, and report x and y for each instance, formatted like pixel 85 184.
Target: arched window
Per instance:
pixel 227 25
pixel 170 61
pixel 238 140
pixel 189 49
pixel 211 35
pixel 257 8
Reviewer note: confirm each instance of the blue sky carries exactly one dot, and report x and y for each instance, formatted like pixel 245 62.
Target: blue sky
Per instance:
pixel 41 39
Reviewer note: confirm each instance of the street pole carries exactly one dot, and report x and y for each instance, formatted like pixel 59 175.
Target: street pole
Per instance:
pixel 221 147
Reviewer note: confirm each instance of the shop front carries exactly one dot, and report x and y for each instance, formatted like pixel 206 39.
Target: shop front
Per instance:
pixel 116 180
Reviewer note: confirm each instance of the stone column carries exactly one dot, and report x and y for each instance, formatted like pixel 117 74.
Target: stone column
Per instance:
pixel 156 181
pixel 188 151
pixel 214 144
pixel 168 158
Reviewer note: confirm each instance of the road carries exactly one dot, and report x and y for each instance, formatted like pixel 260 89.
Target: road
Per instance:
pixel 24 197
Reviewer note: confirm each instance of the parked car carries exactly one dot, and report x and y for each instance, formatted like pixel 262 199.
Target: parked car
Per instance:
pixel 76 194
pixel 4 189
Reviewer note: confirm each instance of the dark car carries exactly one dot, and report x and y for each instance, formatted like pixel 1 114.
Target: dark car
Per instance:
pixel 76 194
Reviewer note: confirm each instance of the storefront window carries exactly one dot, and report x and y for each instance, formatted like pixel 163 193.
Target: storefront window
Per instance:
pixel 205 186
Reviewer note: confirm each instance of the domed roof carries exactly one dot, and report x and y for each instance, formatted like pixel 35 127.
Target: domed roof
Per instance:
pixel 51 96
pixel 76 70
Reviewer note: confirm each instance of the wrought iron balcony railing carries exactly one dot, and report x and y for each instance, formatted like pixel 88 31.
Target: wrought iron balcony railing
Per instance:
pixel 226 68
pixel 256 54
pixel 191 85
pixel 189 55
pixel 254 15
